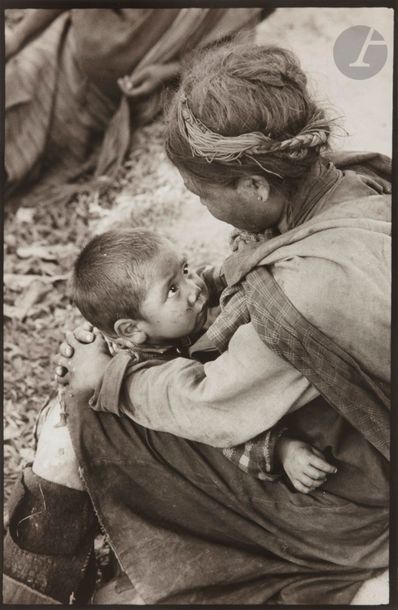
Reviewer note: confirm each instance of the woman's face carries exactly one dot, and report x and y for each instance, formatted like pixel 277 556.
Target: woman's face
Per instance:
pixel 247 204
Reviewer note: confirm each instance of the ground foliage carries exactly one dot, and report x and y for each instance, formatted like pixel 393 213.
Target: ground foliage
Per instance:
pixel 40 246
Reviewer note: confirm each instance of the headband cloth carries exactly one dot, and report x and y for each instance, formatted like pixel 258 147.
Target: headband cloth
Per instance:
pixel 215 147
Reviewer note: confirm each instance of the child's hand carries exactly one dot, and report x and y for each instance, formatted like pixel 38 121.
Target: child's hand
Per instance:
pixel 84 363
pixel 304 465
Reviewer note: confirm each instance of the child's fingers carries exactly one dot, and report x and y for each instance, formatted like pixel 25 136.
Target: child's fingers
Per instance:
pixel 60 371
pixel 307 481
pixel 80 335
pixel 64 363
pixel 66 350
pixel 62 376
pixel 64 380
pixel 314 473
pixel 321 464
pixel 316 484
pixel 87 326
pixel 300 487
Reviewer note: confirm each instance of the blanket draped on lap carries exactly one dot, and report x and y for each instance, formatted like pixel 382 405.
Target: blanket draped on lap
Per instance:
pixel 187 526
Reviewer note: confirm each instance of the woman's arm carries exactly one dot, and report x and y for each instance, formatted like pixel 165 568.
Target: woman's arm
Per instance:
pixel 35 21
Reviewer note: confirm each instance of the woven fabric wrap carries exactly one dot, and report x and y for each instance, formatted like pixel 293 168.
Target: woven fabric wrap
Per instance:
pixel 335 374
pixel 257 457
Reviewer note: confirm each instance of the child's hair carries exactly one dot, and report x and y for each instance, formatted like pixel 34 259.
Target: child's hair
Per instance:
pixel 109 280
pixel 242 109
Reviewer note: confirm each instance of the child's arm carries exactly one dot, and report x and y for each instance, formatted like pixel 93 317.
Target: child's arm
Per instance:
pixel 257 456
pixel 107 392
pixel 305 465
pixel 263 457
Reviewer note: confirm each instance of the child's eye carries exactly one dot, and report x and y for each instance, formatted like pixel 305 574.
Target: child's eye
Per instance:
pixel 185 269
pixel 172 291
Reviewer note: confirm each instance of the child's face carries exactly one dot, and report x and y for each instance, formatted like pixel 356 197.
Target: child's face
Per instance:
pixel 175 304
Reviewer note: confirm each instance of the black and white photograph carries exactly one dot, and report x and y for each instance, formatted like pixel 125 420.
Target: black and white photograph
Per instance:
pixel 197 304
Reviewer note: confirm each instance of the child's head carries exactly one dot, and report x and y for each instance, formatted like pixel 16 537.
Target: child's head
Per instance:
pixel 244 111
pixel 132 284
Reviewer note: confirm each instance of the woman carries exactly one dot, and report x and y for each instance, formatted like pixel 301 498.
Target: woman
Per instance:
pixel 65 75
pixel 308 312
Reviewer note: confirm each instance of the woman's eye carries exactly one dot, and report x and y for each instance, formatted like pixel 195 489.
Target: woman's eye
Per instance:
pixel 185 269
pixel 172 291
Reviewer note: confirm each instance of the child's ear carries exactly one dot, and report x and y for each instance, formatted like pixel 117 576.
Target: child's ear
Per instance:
pixel 128 329
pixel 253 187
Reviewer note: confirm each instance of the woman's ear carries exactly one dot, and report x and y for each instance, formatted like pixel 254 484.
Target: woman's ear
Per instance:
pixel 127 328
pixel 253 188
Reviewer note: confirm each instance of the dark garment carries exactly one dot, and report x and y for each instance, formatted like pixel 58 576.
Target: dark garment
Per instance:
pixel 188 526
pixel 48 549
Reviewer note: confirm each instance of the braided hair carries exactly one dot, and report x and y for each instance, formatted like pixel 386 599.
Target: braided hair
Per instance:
pixel 242 109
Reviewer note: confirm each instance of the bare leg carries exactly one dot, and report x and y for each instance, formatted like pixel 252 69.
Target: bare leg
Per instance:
pixel 55 458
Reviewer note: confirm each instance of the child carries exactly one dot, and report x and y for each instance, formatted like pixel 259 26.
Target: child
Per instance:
pixel 150 306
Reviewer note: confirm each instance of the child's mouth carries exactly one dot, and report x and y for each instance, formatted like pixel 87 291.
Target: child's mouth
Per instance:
pixel 203 307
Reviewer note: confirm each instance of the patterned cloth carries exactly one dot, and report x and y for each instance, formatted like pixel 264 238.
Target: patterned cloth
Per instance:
pixel 338 378
pixel 257 457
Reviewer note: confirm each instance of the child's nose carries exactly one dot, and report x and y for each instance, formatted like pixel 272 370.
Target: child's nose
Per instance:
pixel 193 294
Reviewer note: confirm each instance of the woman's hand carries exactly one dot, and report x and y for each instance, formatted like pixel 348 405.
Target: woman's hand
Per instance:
pixel 82 359
pixel 145 81
pixel 304 465
pixel 378 184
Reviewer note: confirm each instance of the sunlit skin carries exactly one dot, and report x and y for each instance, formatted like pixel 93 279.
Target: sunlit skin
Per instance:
pixel 175 304
pixel 249 203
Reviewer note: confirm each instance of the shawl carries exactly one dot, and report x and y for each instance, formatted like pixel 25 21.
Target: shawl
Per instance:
pixel 254 295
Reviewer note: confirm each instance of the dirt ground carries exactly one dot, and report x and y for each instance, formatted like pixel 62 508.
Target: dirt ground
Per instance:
pixel 41 243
